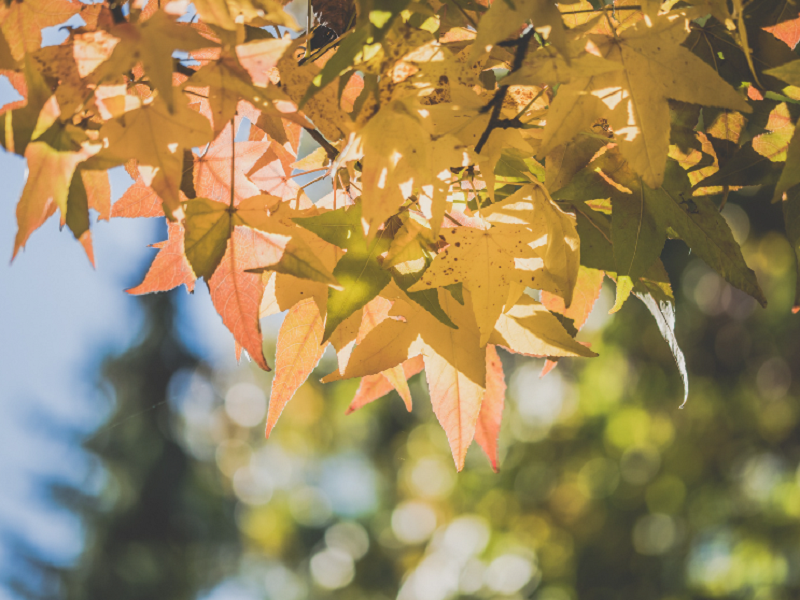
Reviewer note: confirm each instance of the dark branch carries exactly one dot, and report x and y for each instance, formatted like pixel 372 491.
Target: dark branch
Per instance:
pixel 317 137
pixel 496 103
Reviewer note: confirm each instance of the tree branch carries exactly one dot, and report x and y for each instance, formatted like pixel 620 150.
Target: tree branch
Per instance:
pixel 496 103
pixel 317 137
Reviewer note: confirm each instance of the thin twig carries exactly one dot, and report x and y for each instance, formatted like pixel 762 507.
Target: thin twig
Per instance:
pixel 318 137
pixel 301 173
pixel 313 181
pixel 595 10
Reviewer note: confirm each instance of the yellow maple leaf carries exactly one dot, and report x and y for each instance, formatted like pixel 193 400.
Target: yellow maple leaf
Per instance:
pixel 155 136
pixel 633 100
pixel 22 22
pixel 484 260
pixel 399 157
pixel 152 42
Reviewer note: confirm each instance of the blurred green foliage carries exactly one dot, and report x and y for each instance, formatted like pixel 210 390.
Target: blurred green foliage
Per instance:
pixel 606 489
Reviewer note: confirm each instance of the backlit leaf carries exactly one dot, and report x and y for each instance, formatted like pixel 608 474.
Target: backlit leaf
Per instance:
pixel 299 348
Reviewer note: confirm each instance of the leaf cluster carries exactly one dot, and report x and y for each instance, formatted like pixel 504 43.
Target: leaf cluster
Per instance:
pixel 491 163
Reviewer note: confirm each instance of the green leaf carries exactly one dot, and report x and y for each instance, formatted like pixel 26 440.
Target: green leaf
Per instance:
pixel 637 237
pixel 338 227
pixel 361 277
pixel 698 223
pixel 359 273
pixel 427 299
pixel 208 228
pixel 788 72
pixel 746 167
pixel 77 218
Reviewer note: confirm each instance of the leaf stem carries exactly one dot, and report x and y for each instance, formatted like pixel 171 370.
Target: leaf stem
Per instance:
pixel 313 181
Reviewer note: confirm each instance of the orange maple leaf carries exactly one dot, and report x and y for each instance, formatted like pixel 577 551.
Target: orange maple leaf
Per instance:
pixel 169 268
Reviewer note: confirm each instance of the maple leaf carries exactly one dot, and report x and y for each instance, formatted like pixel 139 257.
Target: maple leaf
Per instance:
pixel 30 117
pixel 634 100
pixel 51 165
pixel 155 137
pixel 555 232
pixel 528 328
pixel 22 22
pixel 77 214
pixel 98 191
pixel 229 79
pixel 456 401
pixel 399 156
pixel 210 224
pixel 236 293
pixel 586 292
pixel 506 18
pixel 299 349
pixel 698 223
pixel 139 200
pixel 227 13
pixel 169 268
pixel 484 260
pixel 774 144
pixel 152 42
pixel 212 171
pixel 358 272
pixel 454 362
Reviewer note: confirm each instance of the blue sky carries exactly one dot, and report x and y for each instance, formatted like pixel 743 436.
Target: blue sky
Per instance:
pixel 59 318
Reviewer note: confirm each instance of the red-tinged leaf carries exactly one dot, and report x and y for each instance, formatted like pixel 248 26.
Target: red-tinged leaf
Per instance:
pixel 549 365
pixel 491 415
pixel 299 349
pixel 46 188
pixel 377 386
pixel 375 311
pixel 169 268
pixel 86 242
pixel 586 293
pixel 788 32
pixel 370 389
pixel 271 178
pixel 236 294
pixel 212 172
pixel 456 401
pixel 139 200
pixel 22 22
pixel 260 58
pixel 397 377
pixel 98 192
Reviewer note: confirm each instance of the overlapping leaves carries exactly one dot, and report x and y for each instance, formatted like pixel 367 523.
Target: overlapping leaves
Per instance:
pixel 490 164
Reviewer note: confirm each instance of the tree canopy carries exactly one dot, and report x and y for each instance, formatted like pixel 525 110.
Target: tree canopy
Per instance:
pixel 490 162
